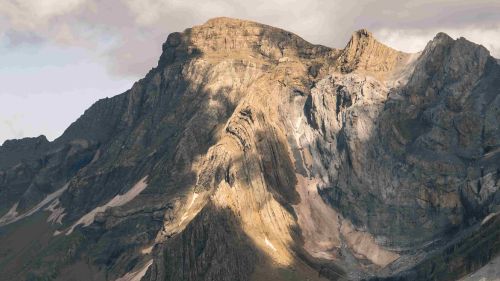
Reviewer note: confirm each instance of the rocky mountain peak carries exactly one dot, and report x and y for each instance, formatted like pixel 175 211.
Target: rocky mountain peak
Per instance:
pixel 457 63
pixel 250 154
pixel 27 147
pixel 11 143
pixel 461 46
pixel 366 54
pixel 442 36
pixel 442 42
pixel 361 34
pixel 224 37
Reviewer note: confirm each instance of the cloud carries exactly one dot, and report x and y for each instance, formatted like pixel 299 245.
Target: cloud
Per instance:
pixel 127 35
pixel 32 14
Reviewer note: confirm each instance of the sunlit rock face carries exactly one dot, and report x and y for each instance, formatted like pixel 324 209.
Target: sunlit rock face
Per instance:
pixel 251 154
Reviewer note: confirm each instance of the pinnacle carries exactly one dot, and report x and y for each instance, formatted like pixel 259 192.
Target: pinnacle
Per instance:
pixel 362 33
pixel 443 36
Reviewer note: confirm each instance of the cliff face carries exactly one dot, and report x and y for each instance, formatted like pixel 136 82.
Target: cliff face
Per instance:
pixel 251 154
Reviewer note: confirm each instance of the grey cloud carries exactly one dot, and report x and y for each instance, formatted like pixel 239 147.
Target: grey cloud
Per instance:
pixel 127 35
pixel 18 38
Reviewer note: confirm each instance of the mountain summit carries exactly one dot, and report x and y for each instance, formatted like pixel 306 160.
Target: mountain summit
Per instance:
pixel 364 52
pixel 249 153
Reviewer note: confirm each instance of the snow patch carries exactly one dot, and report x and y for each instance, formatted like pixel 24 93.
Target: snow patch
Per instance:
pixel 56 212
pixel 269 244
pixel 489 217
pixel 136 275
pixel 147 251
pixel 13 216
pixel 118 200
pixel 186 213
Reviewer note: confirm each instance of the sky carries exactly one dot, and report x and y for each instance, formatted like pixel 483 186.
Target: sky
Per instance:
pixel 58 57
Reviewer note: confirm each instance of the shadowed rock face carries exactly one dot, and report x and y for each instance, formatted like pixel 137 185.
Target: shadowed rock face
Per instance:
pixel 251 154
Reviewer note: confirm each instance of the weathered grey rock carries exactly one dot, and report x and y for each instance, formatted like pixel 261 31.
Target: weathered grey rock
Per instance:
pixel 249 153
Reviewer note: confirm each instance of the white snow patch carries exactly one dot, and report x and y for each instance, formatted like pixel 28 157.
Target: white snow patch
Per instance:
pixel 118 200
pixel 147 250
pixel 269 244
pixel 13 216
pixel 136 275
pixel 186 213
pixel 56 212
pixel 489 217
pixel 192 200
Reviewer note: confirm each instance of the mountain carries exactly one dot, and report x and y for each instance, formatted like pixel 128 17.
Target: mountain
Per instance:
pixel 251 154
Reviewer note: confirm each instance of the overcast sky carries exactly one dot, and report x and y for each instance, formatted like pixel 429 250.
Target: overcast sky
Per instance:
pixel 57 57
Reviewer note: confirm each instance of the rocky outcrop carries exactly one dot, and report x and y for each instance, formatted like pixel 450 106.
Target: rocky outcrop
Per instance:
pixel 249 153
pixel 365 54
